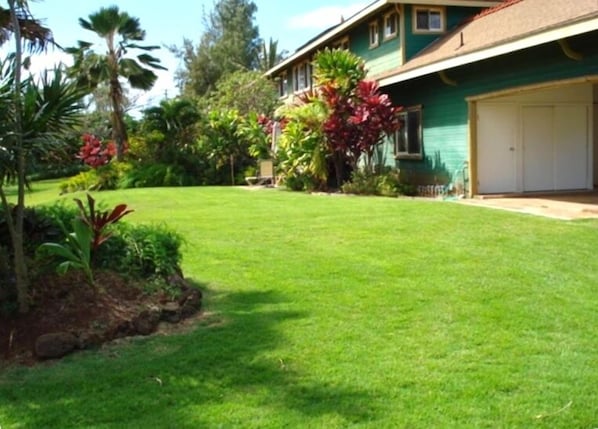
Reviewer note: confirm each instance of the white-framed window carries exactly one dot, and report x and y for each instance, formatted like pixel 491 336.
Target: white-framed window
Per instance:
pixel 391 25
pixel 341 43
pixel 302 76
pixel 374 34
pixel 283 85
pixel 428 19
pixel 408 139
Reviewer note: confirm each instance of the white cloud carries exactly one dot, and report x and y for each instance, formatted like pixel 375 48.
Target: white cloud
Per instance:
pixel 324 17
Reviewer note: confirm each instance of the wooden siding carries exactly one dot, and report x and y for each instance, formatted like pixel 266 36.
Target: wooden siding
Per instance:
pixel 386 56
pixel 414 42
pixel 445 110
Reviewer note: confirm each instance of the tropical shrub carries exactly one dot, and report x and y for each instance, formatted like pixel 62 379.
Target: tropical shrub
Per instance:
pixel 368 182
pixel 142 251
pixel 157 175
pixel 301 151
pixel 349 119
pixel 75 252
pixel 106 177
pixel 99 221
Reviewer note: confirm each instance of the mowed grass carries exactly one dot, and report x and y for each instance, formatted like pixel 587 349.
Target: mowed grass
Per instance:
pixel 333 312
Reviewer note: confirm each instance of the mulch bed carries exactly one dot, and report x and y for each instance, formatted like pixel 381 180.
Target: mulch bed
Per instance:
pixel 67 304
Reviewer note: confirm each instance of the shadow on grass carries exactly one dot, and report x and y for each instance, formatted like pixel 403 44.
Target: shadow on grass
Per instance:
pixel 226 371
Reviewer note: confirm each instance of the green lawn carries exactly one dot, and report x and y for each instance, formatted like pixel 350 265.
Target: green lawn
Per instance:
pixel 334 312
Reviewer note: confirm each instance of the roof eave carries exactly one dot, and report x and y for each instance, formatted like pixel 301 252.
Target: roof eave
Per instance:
pixel 336 31
pixel 363 14
pixel 494 51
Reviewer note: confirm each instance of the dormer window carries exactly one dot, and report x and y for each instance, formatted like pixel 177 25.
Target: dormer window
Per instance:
pixel 341 43
pixel 391 25
pixel 428 19
pixel 374 34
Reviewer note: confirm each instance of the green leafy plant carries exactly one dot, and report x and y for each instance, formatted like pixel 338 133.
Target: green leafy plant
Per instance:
pixel 76 250
pixel 98 220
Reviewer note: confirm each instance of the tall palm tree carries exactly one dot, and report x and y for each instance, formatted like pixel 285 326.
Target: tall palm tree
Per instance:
pixel 120 31
pixel 36 36
pixel 30 113
pixel 269 56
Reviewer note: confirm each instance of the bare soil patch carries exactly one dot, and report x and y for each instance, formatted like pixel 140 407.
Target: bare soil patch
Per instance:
pixel 117 307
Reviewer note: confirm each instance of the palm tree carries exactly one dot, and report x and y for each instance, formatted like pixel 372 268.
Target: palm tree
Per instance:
pixel 30 114
pixel 269 56
pixel 31 30
pixel 120 31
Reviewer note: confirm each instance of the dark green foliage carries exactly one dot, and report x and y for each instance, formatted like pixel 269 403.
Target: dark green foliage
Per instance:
pixel 157 175
pixel 170 131
pixel 142 251
pixel 388 184
pixel 74 252
pixel 246 92
pixel 37 228
pixel 231 42
pixel 137 250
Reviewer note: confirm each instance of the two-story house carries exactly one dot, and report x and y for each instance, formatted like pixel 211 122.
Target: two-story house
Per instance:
pixel 499 95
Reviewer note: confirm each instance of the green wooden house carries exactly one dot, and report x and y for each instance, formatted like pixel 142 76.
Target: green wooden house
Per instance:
pixel 498 96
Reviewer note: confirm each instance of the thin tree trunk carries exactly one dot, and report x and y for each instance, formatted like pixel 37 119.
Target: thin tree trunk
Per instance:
pixel 22 276
pixel 119 129
pixel 232 170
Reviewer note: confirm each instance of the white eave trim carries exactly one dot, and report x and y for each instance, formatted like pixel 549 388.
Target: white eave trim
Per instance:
pixel 495 51
pixel 363 14
pixel 330 35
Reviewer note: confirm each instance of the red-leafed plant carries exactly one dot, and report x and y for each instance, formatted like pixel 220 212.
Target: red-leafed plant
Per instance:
pixel 98 220
pixel 359 115
pixel 357 122
pixel 94 152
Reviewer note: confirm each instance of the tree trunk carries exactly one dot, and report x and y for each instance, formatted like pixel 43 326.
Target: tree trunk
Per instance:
pixel 119 129
pixel 232 170
pixel 339 168
pixel 21 273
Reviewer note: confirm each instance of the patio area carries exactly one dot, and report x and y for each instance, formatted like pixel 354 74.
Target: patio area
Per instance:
pixel 583 205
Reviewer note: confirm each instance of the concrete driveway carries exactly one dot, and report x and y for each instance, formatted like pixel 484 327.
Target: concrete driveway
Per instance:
pixel 566 206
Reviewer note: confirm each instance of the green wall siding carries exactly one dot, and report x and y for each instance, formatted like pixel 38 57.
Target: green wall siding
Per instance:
pixel 386 56
pixel 414 43
pixel 445 110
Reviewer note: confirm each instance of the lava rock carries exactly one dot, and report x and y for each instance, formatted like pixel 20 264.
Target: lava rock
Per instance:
pixel 55 345
pixel 147 321
pixel 171 312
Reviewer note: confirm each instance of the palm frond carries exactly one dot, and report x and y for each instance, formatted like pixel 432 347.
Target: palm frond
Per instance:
pixel 37 36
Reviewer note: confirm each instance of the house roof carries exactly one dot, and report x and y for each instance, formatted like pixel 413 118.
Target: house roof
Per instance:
pixel 510 26
pixel 336 31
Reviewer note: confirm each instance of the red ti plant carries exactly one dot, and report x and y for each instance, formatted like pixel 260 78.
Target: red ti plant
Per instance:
pixel 98 220
pixel 94 153
pixel 357 122
pixel 374 116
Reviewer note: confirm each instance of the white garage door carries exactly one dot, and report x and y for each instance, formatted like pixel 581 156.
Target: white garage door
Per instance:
pixel 527 144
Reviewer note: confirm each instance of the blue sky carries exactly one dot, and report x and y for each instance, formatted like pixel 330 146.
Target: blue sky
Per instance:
pixel 167 23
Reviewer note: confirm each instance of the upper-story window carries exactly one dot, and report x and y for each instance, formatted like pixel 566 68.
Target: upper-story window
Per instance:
pixel 391 25
pixel 374 34
pixel 341 43
pixel 302 76
pixel 428 19
pixel 283 85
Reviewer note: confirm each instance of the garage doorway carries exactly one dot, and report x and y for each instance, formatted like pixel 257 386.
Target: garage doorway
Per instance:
pixel 538 140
